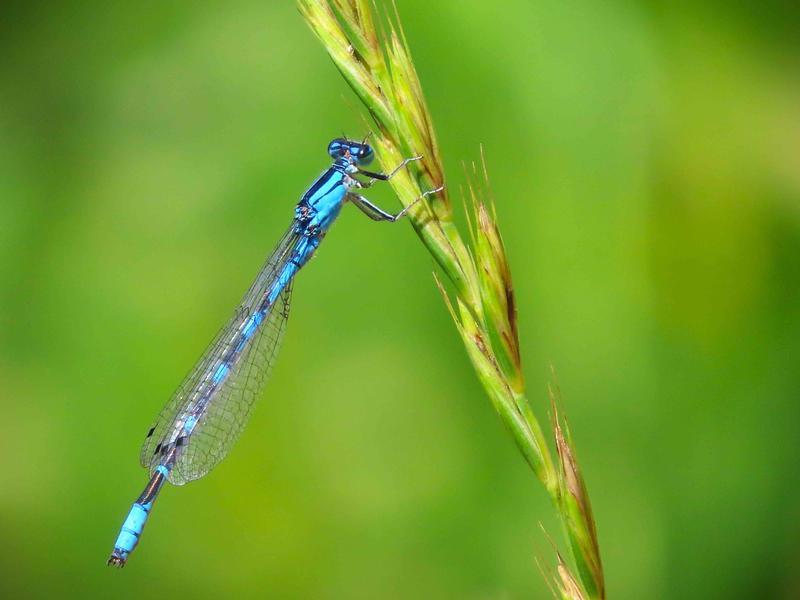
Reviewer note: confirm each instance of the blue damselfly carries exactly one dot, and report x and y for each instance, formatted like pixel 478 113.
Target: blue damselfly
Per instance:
pixel 208 412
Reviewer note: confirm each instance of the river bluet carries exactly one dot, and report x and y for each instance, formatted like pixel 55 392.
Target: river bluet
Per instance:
pixel 208 412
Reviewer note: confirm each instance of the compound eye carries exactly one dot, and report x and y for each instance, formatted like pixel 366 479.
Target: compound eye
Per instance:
pixel 337 147
pixel 365 154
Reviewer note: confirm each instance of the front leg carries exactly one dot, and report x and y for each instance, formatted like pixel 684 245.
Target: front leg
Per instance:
pixel 373 177
pixel 378 214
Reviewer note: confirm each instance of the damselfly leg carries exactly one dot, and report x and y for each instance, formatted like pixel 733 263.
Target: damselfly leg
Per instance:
pixel 378 214
pixel 373 177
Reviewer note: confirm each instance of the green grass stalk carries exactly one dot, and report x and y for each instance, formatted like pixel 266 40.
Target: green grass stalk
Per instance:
pixel 372 55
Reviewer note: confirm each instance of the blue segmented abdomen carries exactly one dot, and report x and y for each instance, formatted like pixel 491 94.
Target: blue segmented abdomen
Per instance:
pixel 134 523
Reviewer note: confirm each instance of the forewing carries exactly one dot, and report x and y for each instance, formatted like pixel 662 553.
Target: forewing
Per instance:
pixel 229 410
pixel 198 382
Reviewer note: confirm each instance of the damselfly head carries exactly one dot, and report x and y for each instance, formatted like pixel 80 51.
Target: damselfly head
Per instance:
pixel 360 153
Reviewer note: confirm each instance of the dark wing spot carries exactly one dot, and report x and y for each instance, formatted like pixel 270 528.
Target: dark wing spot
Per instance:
pixel 152 429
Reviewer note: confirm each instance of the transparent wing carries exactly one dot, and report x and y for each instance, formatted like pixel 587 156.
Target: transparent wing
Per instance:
pixel 229 410
pixel 199 392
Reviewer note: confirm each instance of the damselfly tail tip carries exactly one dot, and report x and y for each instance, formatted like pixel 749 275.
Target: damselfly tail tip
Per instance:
pixel 115 560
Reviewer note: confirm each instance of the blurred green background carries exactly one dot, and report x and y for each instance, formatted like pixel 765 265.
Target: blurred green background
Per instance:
pixel 644 156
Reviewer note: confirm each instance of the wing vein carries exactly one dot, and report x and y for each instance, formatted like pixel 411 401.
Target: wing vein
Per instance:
pixel 208 411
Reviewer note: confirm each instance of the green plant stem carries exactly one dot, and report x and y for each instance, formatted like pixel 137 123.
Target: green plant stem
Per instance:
pixel 379 69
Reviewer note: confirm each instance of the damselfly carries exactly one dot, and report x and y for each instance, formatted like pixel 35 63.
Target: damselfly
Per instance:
pixel 205 416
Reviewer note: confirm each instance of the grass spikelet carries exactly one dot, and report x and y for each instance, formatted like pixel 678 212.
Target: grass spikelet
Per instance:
pixel 575 507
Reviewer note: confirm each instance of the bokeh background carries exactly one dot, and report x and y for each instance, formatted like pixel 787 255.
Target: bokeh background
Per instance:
pixel 644 156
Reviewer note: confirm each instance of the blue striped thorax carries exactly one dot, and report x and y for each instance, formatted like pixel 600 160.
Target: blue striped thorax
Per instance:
pixel 321 203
